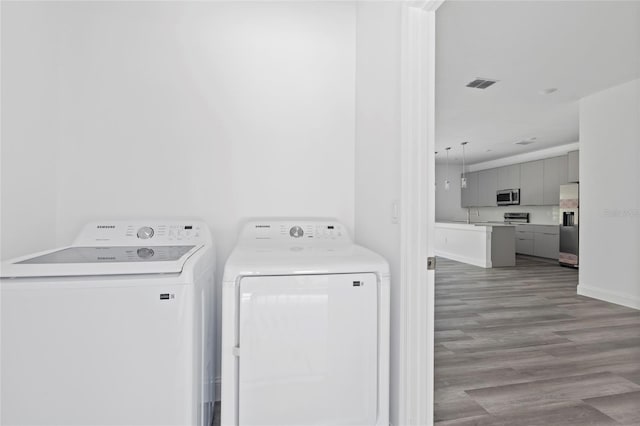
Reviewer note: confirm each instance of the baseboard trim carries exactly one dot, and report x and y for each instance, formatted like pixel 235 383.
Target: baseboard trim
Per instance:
pixel 463 259
pixel 609 296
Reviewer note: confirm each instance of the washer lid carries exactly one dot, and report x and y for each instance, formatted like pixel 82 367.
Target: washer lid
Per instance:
pixel 100 260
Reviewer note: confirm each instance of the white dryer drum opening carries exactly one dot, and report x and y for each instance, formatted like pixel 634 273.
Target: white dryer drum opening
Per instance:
pixel 308 350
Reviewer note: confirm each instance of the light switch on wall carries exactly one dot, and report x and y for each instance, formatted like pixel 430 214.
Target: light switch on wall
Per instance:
pixel 395 211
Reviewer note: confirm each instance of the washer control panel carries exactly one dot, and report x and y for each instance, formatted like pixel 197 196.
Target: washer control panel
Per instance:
pixel 137 233
pixel 298 231
pixel 186 232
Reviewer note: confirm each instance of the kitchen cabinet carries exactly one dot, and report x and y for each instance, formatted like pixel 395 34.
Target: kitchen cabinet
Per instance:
pixel 573 166
pixel 531 183
pixel 488 186
pixel 509 177
pixel 469 195
pixel 555 174
pixel 539 182
pixel 524 239
pixel 524 246
pixel 538 240
pixel 546 245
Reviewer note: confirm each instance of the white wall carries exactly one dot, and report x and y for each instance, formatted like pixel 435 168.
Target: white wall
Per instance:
pixel 28 131
pixel 610 195
pixel 215 110
pixel 377 178
pixel 448 203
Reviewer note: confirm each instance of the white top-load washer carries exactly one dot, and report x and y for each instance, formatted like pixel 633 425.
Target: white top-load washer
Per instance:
pixel 305 332
pixel 116 329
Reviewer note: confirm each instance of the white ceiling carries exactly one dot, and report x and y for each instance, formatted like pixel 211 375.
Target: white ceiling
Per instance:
pixel 578 47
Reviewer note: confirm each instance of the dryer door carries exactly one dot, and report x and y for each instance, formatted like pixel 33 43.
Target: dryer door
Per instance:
pixel 308 350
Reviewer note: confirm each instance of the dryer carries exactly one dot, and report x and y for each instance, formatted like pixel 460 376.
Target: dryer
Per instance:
pixel 305 332
pixel 116 329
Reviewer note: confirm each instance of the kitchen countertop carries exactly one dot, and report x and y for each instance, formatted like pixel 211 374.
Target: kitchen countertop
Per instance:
pixel 472 224
pixel 462 222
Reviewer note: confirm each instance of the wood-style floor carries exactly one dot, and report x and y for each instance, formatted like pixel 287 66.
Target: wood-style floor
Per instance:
pixel 517 346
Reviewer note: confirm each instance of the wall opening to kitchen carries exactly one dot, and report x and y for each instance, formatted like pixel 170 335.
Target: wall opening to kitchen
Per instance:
pixel 510 325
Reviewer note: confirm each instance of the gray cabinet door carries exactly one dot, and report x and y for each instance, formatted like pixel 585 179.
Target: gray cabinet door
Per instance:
pixel 573 166
pixel 487 187
pixel 469 195
pixel 524 246
pixel 531 185
pixel 546 245
pixel 555 174
pixel 509 177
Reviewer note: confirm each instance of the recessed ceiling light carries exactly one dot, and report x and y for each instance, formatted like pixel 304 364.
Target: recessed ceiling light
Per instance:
pixel 525 142
pixel 547 91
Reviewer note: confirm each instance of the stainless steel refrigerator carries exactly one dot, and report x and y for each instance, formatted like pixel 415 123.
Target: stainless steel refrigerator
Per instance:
pixel 569 224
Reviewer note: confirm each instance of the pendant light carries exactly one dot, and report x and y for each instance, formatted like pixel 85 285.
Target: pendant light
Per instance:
pixel 463 180
pixel 446 179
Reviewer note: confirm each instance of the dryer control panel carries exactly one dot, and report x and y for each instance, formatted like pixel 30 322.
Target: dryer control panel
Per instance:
pixel 143 232
pixel 295 231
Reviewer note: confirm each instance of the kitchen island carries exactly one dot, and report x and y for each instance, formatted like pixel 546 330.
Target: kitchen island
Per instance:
pixel 488 245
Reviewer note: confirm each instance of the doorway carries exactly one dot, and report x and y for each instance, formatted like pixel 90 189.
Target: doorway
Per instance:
pixel 514 343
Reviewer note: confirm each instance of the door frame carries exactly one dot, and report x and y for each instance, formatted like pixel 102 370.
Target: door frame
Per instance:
pixel 416 393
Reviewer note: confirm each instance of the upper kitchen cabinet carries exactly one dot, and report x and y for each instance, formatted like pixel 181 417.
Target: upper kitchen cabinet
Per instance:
pixel 539 182
pixel 573 166
pixel 469 195
pixel 509 177
pixel 487 187
pixel 531 184
pixel 555 174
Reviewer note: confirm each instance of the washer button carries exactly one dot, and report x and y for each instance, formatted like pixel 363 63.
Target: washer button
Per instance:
pixel 145 232
pixel 296 232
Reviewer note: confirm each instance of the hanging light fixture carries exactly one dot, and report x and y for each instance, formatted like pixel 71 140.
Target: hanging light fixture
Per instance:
pixel 446 179
pixel 463 180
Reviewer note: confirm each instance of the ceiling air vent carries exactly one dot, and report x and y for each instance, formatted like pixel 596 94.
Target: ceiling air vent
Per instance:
pixel 481 83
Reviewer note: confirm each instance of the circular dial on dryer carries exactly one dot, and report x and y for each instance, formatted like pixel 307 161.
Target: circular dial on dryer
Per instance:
pixel 145 232
pixel 296 232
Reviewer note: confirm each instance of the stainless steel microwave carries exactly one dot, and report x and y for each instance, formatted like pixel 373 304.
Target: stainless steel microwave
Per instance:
pixel 508 197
